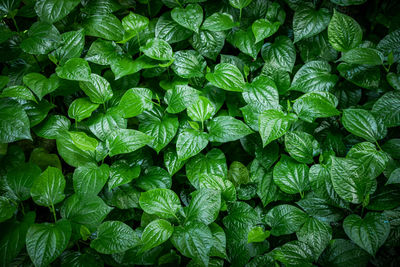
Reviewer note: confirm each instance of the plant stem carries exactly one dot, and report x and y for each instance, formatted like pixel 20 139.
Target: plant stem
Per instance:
pixel 54 212
pixel 37 62
pixel 377 144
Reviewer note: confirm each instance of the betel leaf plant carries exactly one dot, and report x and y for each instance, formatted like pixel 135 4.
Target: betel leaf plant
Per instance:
pixel 199 133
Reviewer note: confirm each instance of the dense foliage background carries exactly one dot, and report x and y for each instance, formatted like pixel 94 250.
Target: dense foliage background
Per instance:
pixel 200 133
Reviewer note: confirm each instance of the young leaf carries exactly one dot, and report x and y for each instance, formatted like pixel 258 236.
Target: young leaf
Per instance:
pixel 263 28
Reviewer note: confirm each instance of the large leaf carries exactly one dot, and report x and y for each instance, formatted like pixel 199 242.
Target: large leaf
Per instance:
pixel 189 17
pixel 386 109
pixel 218 22
pixel 157 49
pixel 105 26
pixel 126 140
pixel 76 69
pixel 188 64
pixel 314 76
pixel 14 124
pixel 53 10
pixel 362 123
pixel 90 179
pixel 42 38
pixel 40 85
pixel 98 89
pixel 208 43
pixel 344 32
pixel 180 97
pixel 81 108
pixel 308 22
pixel 301 146
pixel 45 242
pixel 280 54
pixel 73 43
pixel 342 252
pixel 20 179
pixel 194 240
pixel 204 206
pixel 161 202
pixel 261 94
pixel 369 232
pixel 227 129
pixel 226 76
pixel 291 176
pixel 363 55
pixel 274 124
pixel 190 142
pixel 285 219
pixel 316 105
pixel 159 125
pixel 263 28
pixel 114 237
pixel 245 41
pixel 48 188
pixel 316 234
pixel 156 233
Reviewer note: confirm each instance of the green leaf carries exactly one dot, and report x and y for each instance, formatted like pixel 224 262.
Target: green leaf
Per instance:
pixel 154 177
pixel 19 92
pixel 114 237
pixel 42 38
pixel 188 64
pixel 361 75
pixel 344 32
pixel 204 206
pixel 46 241
pixel 171 161
pixel 316 234
pixel 215 182
pixel 218 22
pixel 7 209
pixel 348 3
pixel 83 142
pixel 40 85
pixel 263 28
pixel 101 125
pixel 316 105
pixel 208 43
pixel 314 76
pixel 267 190
pixel 308 22
pixel 194 241
pixel 386 109
pixel 390 44
pixel 75 69
pixel 122 173
pixel 133 24
pixel 158 49
pixel 257 234
pixel 363 56
pixel 291 176
pixel 85 210
pixel 160 125
pixel 201 110
pixel 89 179
pixel 170 31
pixel 294 253
pixel 72 46
pixel 48 188
pixel 123 141
pixel 98 89
pixel 180 97
pixel 190 17
pixel 14 122
pixel 245 41
pixel 285 219
pixel 13 237
pixel 238 174
pixel 106 26
pixel 81 108
pixel 394 177
pixel 369 232
pixel 52 10
pixel 156 233
pixel 133 102
pixel 240 4
pixel 226 76
pixel 227 129
pixel 161 202
pixel 350 180
pixel 261 94
pixel 20 179
pixel 274 124
pixel 301 146
pixel 190 142
pixel 394 80
pixel 103 52
pixel 279 55
pixel 362 123
pixel 214 162
pixel 341 252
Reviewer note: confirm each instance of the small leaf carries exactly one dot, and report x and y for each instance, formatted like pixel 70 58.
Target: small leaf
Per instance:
pixel 257 234
pixel 344 32
pixel 263 28
pixel 81 108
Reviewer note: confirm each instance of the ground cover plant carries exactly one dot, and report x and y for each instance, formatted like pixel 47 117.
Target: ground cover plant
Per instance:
pixel 199 133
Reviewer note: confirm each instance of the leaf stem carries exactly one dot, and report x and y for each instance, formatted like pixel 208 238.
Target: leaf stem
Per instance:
pixel 15 23
pixel 377 144
pixel 54 212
